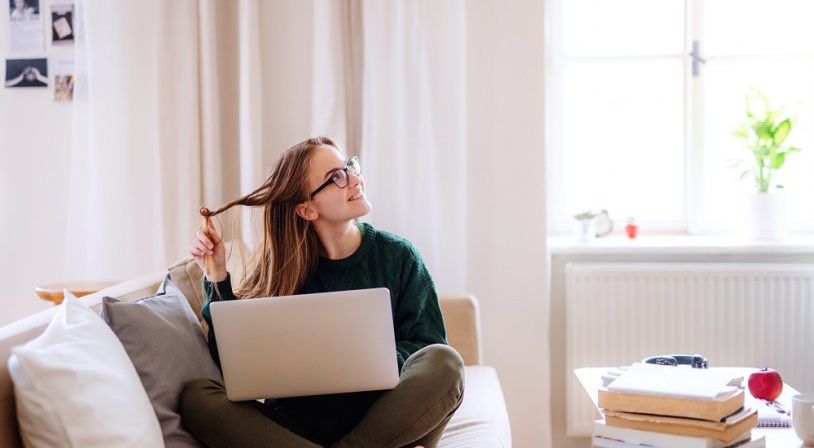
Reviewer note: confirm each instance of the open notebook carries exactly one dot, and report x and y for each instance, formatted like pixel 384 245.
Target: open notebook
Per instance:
pixel 771 413
pixel 676 381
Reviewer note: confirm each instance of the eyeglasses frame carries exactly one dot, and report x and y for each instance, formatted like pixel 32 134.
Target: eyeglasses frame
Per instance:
pixel 347 174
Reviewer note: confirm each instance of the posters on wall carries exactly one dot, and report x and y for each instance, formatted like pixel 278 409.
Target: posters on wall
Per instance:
pixel 62 68
pixel 25 26
pixel 26 73
pixel 26 38
pixel 62 31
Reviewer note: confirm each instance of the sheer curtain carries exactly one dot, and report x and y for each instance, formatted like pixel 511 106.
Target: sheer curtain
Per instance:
pixel 167 118
pixel 390 80
pixel 414 128
pixel 135 170
pixel 157 128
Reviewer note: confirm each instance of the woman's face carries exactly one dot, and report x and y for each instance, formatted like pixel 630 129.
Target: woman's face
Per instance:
pixel 19 4
pixel 333 203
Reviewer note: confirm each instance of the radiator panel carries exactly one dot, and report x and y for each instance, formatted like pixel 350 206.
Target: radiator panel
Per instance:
pixel 734 314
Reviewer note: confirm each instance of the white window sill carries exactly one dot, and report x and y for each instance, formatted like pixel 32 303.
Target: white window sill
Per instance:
pixel 681 244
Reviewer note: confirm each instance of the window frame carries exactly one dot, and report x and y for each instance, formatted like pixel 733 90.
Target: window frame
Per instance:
pixel 693 221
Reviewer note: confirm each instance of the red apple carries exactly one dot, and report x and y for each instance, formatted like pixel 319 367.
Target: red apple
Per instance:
pixel 765 384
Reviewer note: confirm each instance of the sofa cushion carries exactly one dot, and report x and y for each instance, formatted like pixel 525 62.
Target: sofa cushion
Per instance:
pixel 481 420
pixel 63 381
pixel 186 275
pixel 164 340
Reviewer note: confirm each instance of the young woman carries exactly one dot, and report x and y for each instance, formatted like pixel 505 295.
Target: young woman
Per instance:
pixel 312 244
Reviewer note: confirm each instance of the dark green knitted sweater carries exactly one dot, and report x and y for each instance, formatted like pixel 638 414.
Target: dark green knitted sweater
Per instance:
pixel 382 260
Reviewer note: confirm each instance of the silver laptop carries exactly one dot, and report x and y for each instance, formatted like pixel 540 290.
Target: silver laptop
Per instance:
pixel 309 344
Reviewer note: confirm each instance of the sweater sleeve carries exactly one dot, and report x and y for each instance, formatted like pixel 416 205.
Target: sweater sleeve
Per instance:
pixel 418 318
pixel 224 287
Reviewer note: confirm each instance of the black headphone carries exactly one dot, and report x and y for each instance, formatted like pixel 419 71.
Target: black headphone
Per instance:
pixel 694 361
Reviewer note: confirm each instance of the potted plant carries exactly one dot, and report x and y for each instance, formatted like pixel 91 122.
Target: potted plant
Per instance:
pixel 764 132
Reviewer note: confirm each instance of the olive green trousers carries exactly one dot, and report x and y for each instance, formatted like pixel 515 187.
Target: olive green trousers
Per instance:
pixel 415 413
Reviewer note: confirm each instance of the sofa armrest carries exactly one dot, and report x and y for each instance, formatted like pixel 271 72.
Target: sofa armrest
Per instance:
pixel 462 320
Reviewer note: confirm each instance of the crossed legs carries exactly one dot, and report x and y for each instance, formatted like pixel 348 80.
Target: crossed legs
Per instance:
pixel 414 413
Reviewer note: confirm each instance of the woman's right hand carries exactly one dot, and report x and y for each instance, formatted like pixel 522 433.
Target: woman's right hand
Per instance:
pixel 210 244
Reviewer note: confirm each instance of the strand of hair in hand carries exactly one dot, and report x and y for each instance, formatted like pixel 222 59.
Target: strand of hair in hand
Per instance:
pixel 209 260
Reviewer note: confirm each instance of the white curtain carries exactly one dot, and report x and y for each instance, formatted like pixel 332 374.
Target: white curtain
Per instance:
pixel 167 118
pixel 135 171
pixel 152 103
pixel 414 128
pixel 390 81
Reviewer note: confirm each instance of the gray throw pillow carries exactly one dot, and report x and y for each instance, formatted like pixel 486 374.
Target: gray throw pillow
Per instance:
pixel 163 338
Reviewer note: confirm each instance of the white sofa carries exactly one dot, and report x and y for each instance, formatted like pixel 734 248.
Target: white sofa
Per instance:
pixel 481 421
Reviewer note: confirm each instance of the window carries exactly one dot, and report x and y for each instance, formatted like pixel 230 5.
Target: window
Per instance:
pixel 640 127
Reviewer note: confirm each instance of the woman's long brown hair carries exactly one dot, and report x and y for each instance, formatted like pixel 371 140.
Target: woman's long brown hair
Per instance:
pixel 290 247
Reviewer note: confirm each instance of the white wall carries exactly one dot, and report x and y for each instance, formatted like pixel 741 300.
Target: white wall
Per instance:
pixel 507 261
pixel 35 145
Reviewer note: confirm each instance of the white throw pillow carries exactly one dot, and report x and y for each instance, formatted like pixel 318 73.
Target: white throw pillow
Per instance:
pixel 75 386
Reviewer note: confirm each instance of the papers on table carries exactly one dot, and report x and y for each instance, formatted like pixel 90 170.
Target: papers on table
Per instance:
pixel 675 381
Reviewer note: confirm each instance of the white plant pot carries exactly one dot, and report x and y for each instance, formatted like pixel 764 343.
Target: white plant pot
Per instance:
pixel 766 216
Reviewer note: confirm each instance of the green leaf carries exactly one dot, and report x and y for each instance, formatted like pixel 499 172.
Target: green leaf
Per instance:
pixel 764 131
pixel 781 131
pixel 757 105
pixel 779 160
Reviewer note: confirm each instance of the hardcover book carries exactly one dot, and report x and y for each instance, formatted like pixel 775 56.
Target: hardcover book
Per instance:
pixel 727 431
pixel 703 409
pixel 673 391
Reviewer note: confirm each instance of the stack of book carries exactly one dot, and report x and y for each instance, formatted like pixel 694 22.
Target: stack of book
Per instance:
pixel 675 407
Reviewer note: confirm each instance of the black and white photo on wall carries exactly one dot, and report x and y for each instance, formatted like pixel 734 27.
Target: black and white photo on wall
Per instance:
pixel 25 27
pixel 23 8
pixel 26 73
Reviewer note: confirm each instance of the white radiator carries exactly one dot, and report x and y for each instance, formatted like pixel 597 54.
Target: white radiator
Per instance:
pixel 754 315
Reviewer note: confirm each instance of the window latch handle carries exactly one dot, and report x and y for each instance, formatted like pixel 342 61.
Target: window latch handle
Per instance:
pixel 697 60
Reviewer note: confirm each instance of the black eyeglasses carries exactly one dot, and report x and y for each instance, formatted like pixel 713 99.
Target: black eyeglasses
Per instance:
pixel 340 176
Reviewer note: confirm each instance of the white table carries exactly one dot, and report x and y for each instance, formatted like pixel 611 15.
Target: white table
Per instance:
pixel 591 380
